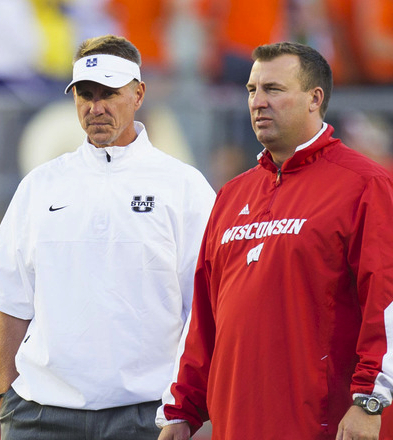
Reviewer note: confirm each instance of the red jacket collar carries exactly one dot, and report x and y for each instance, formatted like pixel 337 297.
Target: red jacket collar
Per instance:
pixel 302 157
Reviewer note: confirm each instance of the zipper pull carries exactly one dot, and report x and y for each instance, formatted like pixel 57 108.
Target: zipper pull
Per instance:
pixel 278 178
pixel 108 156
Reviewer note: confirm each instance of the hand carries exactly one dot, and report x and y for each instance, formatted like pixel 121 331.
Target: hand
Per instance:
pixel 358 425
pixel 176 431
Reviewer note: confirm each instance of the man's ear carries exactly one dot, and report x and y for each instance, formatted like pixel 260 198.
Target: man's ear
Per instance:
pixel 316 99
pixel 140 90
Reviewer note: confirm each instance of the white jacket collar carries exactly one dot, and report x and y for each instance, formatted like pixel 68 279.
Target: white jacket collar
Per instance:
pixel 119 155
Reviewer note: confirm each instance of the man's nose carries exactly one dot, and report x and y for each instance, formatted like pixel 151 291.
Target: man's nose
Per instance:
pixel 97 107
pixel 258 100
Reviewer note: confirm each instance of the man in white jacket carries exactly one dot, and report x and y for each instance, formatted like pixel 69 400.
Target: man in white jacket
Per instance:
pixel 97 255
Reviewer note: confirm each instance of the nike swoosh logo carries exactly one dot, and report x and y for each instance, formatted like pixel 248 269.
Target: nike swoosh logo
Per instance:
pixel 108 76
pixel 56 209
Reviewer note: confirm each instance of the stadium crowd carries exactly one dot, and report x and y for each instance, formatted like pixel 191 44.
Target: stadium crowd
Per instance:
pixel 196 54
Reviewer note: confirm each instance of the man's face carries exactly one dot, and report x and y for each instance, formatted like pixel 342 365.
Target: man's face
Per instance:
pixel 279 108
pixel 106 114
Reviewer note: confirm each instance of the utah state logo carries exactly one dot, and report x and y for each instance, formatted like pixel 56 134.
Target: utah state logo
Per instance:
pixel 139 205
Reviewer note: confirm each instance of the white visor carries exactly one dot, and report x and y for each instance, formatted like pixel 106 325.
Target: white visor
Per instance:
pixel 109 70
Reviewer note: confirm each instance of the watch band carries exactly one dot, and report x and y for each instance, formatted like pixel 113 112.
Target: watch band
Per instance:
pixel 370 404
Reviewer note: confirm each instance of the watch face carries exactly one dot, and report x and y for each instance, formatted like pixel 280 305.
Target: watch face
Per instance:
pixel 373 405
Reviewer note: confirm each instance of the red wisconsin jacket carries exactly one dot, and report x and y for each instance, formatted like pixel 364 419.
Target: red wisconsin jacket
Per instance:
pixel 292 309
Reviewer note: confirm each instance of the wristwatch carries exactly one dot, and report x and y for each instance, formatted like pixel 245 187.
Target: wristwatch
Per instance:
pixel 370 404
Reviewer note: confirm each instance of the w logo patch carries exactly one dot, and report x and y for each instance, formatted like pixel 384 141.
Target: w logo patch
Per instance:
pixel 139 205
pixel 254 253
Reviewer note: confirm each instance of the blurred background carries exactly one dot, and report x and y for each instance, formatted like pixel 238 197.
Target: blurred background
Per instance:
pixel 196 62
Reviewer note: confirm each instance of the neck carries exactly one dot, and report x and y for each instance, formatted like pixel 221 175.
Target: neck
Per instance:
pixel 122 141
pixel 281 152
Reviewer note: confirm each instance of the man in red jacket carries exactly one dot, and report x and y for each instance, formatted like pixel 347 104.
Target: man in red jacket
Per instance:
pixel 291 331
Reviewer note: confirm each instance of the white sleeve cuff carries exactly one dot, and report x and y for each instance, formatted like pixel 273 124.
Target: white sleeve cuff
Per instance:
pixel 171 422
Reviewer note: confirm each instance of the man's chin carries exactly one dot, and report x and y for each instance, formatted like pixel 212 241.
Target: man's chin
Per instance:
pixel 99 142
pixel 262 138
pixel 264 135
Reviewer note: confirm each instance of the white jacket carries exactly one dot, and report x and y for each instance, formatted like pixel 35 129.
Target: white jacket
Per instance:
pixel 100 255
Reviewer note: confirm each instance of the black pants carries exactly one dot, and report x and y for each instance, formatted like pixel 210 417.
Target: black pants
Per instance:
pixel 23 420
